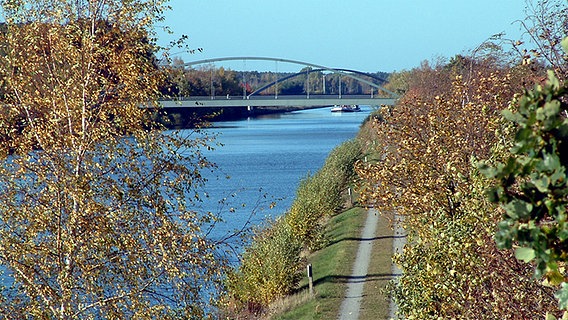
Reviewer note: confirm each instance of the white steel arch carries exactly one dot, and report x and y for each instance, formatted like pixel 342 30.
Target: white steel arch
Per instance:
pixel 308 64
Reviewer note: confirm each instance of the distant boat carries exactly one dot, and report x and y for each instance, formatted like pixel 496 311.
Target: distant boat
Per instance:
pixel 345 108
pixel 336 108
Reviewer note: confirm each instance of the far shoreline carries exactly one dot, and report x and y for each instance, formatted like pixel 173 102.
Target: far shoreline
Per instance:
pixel 188 118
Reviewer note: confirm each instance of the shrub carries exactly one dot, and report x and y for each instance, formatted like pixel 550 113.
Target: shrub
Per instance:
pixel 451 267
pixel 321 195
pixel 269 267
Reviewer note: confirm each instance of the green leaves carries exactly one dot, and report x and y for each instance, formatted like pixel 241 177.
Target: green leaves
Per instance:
pixel 321 195
pixel 562 296
pixel 513 117
pixel 525 254
pixel 533 186
pixel 269 267
pixel 518 209
pixel 564 44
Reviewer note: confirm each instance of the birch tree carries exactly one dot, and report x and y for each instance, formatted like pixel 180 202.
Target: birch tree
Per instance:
pixel 96 216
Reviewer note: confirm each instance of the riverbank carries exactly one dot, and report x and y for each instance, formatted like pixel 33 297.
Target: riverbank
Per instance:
pixel 187 118
pixel 335 267
pixel 282 246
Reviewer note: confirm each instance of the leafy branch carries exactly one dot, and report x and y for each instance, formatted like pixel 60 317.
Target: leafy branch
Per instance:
pixel 531 184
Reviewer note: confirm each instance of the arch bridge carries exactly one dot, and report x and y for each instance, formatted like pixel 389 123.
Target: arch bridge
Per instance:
pixel 308 100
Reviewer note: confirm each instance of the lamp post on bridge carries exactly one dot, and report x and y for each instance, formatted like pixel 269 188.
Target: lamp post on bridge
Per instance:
pixel 340 86
pixel 244 80
pixel 308 82
pixel 211 85
pixel 276 86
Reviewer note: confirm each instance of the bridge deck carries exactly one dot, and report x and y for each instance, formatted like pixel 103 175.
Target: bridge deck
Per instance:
pixel 276 101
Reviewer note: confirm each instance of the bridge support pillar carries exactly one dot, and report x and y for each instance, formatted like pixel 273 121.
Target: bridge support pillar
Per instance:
pixel 250 109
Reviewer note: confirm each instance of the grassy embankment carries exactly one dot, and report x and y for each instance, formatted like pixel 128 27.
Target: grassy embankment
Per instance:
pixel 333 264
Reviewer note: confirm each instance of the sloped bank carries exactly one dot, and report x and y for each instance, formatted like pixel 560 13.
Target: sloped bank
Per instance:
pixel 272 266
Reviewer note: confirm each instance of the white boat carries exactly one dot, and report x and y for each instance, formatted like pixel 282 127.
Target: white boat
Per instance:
pixel 336 108
pixel 345 108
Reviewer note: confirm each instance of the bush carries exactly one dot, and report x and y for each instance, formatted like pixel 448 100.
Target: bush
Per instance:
pixel 305 215
pixel 269 267
pixel 321 195
pixel 341 162
pixel 428 145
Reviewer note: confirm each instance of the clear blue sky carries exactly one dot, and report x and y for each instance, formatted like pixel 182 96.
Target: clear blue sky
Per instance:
pixel 366 35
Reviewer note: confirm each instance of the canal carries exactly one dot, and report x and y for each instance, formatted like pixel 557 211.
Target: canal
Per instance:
pixel 266 157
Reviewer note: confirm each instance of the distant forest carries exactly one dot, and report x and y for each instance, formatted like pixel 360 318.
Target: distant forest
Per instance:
pixel 208 80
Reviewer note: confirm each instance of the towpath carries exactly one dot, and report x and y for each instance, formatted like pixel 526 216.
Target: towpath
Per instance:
pixel 351 304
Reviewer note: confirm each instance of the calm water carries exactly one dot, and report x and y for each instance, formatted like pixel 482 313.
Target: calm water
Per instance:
pixel 269 156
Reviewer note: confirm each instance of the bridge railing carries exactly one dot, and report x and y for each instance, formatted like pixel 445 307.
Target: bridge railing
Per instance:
pixel 272 97
pixel 271 101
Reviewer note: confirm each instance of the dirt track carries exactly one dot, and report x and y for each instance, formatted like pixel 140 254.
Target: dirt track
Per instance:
pixel 351 305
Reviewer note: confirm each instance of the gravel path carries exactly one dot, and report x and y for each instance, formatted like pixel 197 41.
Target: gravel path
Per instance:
pixel 352 302
pixel 354 295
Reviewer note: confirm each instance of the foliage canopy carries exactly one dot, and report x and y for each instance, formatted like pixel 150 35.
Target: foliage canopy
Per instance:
pixel 426 148
pixel 96 214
